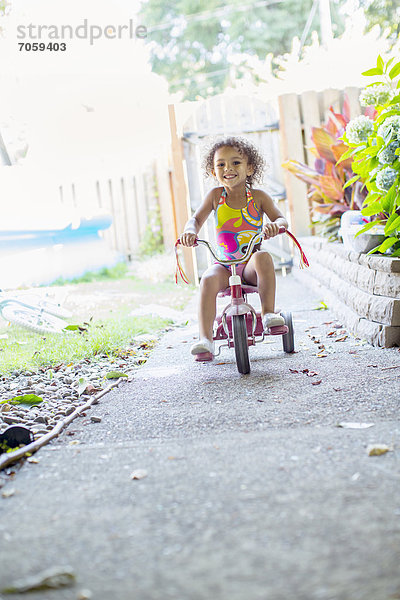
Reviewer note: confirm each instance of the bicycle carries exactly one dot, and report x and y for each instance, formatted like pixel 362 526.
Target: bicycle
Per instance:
pixel 239 324
pixel 34 312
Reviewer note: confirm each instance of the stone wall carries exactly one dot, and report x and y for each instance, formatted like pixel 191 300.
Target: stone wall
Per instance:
pixel 363 291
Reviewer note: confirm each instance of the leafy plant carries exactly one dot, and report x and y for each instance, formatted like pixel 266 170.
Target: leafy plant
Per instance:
pixel 152 241
pixel 374 146
pixel 330 193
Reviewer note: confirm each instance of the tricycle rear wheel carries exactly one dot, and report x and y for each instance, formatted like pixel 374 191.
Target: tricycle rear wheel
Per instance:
pixel 239 329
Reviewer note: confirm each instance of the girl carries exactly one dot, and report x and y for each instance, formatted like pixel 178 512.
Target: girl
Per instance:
pixel 239 210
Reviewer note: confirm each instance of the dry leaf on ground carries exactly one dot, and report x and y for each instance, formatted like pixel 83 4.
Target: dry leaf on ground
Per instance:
pixel 377 449
pixel 139 474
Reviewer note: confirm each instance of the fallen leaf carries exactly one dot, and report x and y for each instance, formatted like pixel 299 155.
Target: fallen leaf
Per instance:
pixel 30 399
pixel 293 370
pixel 33 460
pixel 322 306
pixel 322 355
pixel 310 373
pixel 349 425
pixel 316 382
pixel 82 384
pixel 341 339
pixel 8 493
pixel 90 389
pixel 53 578
pixel 377 449
pixel 331 334
pixel 115 375
pixel 139 474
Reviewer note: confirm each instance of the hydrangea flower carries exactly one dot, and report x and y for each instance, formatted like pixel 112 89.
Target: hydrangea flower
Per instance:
pixel 358 129
pixel 379 93
pixel 390 128
pixel 387 156
pixel 385 179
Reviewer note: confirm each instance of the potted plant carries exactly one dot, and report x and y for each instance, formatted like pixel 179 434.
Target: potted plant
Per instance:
pixel 374 148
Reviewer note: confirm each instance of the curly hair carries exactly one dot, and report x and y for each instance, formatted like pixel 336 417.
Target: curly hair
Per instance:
pixel 245 148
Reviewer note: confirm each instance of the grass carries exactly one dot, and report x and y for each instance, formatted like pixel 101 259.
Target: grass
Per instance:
pixel 116 272
pixel 105 305
pixel 28 351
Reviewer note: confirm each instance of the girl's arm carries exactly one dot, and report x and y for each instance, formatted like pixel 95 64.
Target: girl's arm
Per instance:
pixel 195 223
pixel 268 206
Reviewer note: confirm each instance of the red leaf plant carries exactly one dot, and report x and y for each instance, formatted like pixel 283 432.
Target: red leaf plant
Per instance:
pixel 328 200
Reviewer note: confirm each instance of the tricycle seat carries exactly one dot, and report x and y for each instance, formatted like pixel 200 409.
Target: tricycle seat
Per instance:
pixel 246 289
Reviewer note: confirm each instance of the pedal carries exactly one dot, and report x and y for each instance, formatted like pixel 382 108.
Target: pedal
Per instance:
pixel 279 330
pixel 203 357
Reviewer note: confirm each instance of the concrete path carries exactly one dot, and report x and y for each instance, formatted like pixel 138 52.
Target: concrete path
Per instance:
pixel 252 490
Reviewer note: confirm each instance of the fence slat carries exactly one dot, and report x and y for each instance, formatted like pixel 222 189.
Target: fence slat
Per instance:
pixel 165 202
pixel 292 147
pixel 181 201
pixel 311 118
pixel 330 97
pixel 353 94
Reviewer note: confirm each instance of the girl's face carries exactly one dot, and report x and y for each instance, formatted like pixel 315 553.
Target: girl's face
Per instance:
pixel 231 168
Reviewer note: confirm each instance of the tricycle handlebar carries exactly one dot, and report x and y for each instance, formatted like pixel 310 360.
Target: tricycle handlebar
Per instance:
pixel 254 240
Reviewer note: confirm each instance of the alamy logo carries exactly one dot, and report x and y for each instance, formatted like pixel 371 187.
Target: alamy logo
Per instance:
pixel 85 31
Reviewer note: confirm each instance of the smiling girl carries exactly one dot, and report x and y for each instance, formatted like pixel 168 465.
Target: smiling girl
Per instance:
pixel 238 209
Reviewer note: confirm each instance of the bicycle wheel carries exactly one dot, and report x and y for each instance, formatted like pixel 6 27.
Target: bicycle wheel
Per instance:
pixel 288 338
pixel 50 306
pixel 240 342
pixel 32 319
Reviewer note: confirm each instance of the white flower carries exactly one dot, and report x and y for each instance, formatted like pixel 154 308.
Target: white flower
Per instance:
pixel 390 128
pixel 387 156
pixel 386 178
pixel 358 129
pixel 377 94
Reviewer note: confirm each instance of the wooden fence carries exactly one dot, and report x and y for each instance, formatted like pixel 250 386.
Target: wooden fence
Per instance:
pixel 133 200
pixel 282 132
pixel 175 183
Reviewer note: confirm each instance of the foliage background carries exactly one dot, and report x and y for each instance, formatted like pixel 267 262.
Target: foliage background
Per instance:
pixel 203 46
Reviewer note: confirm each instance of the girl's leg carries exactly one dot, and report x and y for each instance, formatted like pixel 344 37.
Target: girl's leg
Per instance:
pixel 260 271
pixel 215 279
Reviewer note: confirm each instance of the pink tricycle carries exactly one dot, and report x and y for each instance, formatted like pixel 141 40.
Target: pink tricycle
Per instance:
pixel 239 325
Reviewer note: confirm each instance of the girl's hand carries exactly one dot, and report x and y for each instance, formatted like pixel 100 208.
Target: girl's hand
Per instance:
pixel 188 239
pixel 270 230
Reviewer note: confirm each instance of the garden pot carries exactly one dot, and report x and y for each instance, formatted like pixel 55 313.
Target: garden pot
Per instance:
pixel 350 224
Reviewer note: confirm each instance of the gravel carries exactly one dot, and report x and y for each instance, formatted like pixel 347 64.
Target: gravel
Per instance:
pixel 61 387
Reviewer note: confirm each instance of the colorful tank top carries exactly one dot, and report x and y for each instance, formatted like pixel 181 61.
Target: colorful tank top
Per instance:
pixel 236 226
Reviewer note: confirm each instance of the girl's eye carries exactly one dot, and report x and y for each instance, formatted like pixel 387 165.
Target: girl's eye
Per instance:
pixel 236 162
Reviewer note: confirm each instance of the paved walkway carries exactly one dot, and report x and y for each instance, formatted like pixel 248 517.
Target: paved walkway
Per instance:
pixel 252 490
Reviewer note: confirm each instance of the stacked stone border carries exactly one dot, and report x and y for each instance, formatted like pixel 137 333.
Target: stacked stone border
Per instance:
pixel 363 291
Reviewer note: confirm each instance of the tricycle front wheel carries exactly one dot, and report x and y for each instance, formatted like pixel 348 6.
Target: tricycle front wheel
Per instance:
pixel 288 338
pixel 239 329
